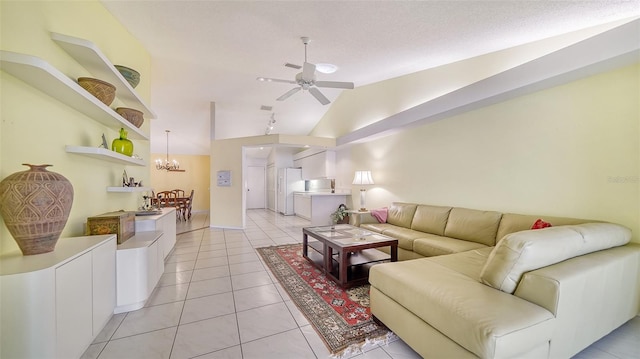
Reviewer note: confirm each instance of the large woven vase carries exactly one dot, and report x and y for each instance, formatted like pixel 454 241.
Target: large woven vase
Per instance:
pixel 35 206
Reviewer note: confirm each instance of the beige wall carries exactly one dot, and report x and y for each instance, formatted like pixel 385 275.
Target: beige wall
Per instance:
pixel 571 150
pixel 35 127
pixel 195 177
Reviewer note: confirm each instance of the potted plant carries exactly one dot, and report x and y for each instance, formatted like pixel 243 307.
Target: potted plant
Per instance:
pixel 340 215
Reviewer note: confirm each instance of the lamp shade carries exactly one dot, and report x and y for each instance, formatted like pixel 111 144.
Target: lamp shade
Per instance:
pixel 363 178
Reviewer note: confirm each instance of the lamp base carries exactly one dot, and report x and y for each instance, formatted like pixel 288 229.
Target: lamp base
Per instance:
pixel 362 200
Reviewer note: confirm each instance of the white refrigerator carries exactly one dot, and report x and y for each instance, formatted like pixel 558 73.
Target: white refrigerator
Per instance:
pixel 289 181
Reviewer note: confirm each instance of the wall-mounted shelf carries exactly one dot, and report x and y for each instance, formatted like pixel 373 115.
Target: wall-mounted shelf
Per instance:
pixel 46 78
pixel 92 59
pixel 128 189
pixel 106 155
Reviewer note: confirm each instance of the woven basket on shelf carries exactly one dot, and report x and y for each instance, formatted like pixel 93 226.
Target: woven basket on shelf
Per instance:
pixel 103 91
pixel 132 115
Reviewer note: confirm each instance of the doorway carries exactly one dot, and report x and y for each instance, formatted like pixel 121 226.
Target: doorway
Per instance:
pixel 256 187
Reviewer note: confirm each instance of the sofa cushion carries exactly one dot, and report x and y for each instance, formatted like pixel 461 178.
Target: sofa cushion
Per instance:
pixel 525 251
pixel 512 222
pixel 401 214
pixel 405 236
pixel 486 322
pixel 469 263
pixel 430 219
pixel 377 227
pixel 430 245
pixel 473 225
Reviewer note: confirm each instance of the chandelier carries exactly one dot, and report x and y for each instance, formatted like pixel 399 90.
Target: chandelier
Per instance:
pixel 172 166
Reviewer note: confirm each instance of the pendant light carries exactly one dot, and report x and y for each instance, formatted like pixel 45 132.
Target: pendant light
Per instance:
pixel 169 166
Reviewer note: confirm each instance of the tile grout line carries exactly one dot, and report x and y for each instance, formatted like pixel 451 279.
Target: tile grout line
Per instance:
pixel 184 302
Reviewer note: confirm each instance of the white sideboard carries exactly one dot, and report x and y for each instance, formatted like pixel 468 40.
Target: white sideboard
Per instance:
pixel 54 304
pixel 165 223
pixel 141 259
pixel 140 266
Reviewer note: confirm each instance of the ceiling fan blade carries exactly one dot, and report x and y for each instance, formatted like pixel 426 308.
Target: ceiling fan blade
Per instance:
pixel 289 93
pixel 308 71
pixel 268 79
pixel 319 96
pixel 293 66
pixel 335 84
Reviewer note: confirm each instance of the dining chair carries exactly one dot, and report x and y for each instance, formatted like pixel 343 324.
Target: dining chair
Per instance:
pixel 179 193
pixel 189 204
pixel 166 198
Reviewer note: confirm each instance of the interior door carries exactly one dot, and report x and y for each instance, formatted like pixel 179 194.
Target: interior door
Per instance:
pixel 256 187
pixel 271 187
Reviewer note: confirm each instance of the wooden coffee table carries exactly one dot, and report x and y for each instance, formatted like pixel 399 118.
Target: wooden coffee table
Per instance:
pixel 345 253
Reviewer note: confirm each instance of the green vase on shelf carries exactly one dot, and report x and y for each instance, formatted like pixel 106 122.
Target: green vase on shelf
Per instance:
pixel 122 144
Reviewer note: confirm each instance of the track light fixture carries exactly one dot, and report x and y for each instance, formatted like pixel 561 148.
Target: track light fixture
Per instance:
pixel 270 124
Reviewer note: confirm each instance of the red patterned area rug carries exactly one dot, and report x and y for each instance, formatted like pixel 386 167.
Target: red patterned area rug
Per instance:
pixel 341 317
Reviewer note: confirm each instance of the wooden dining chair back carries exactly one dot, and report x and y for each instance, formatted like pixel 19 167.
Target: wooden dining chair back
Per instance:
pixel 184 207
pixel 189 204
pixel 179 193
pixel 166 199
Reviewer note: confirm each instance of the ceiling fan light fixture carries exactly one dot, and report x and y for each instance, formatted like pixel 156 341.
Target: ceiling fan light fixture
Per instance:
pixel 306 80
pixel 326 68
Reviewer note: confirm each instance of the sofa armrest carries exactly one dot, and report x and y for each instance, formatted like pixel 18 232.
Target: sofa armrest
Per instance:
pixel 589 295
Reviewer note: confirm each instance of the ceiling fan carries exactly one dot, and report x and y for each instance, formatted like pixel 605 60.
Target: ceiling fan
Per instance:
pixel 306 80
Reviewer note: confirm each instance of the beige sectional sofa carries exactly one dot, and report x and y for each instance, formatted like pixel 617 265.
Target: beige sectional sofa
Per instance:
pixel 482 284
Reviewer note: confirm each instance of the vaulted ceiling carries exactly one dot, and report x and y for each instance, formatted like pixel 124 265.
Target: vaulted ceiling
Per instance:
pixel 206 52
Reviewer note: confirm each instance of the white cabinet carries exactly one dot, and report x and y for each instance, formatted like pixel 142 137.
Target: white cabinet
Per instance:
pixel 140 264
pixel 165 223
pixel 140 259
pixel 316 164
pixel 54 304
pixel 74 309
pixel 103 267
pixel 302 205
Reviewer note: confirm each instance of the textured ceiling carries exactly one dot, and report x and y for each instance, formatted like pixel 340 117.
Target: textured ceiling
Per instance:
pixel 213 51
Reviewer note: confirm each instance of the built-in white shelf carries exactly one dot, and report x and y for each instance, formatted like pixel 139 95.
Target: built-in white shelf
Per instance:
pixel 104 154
pixel 91 58
pixel 46 78
pixel 128 189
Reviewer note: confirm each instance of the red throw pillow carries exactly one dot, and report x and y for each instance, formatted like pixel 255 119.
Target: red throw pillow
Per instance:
pixel 539 224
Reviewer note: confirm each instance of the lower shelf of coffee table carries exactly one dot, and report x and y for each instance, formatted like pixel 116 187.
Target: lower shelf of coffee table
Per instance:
pixel 358 265
pixel 355 258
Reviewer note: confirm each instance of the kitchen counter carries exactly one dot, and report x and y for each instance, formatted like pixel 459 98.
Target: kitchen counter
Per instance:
pixel 318 206
pixel 311 194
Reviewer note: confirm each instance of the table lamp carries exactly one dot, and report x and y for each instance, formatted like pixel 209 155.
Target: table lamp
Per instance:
pixel 363 178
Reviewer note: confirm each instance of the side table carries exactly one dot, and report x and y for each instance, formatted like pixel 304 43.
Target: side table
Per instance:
pixel 355 217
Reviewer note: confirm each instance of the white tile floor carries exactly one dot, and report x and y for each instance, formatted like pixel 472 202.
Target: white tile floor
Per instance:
pixel 216 300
